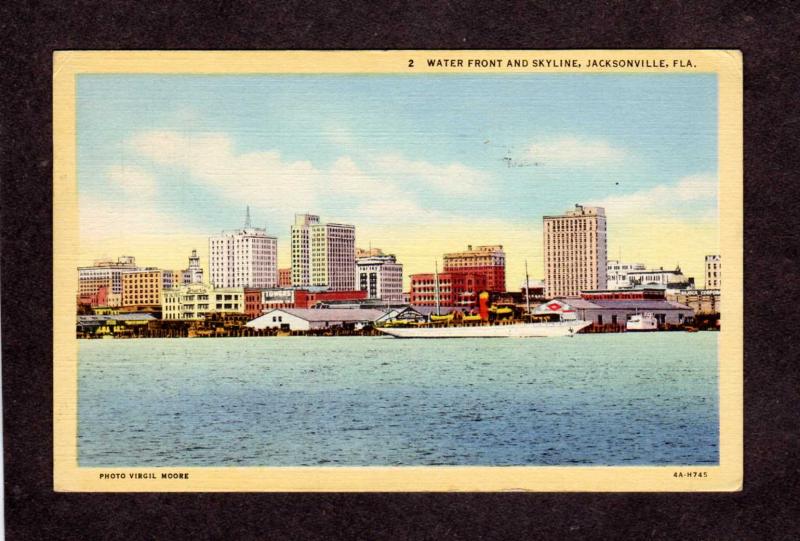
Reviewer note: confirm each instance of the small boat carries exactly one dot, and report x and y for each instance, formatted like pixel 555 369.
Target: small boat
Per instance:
pixel 642 322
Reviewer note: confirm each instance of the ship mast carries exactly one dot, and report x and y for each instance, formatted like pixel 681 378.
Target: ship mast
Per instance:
pixel 436 286
pixel 527 290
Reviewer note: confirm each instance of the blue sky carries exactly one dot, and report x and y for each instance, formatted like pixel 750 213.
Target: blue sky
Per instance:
pixel 186 153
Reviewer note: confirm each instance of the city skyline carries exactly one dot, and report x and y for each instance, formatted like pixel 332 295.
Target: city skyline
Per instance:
pixel 166 162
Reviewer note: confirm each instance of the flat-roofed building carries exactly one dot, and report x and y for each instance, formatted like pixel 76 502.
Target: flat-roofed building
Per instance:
pixel 104 273
pixel 617 273
pixel 143 287
pixel 713 272
pixel 451 289
pixel 323 254
pixel 306 319
pixel 642 293
pixel 617 312
pixel 194 301
pixel 575 251
pixel 381 276
pixel 659 277
pixel 278 297
pixel 702 301
pixel 290 297
pixel 253 305
pixel 309 298
pixel 246 257
pixel 487 260
pixel 285 277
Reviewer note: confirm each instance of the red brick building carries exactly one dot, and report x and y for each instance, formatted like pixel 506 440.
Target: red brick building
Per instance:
pixel 285 297
pixel 253 306
pixel 98 298
pixel 489 261
pixel 455 288
pixel 285 277
pixel 304 298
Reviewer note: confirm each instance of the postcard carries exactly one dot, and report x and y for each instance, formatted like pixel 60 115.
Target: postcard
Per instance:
pixel 280 271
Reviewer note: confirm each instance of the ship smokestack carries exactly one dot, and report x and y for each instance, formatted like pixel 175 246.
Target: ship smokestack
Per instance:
pixel 483 305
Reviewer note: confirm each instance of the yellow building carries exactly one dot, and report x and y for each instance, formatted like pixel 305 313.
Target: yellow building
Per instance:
pixel 193 301
pixel 702 301
pixel 143 287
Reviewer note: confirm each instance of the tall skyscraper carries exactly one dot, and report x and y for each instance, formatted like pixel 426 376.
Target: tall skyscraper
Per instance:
pixel 246 257
pixel 575 251
pixel 713 272
pixel 487 260
pixel 301 249
pixel 193 274
pixel 323 255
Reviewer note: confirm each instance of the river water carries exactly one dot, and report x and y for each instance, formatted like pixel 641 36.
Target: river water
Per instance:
pixel 603 399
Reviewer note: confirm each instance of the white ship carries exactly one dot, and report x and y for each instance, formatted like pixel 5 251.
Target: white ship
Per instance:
pixel 511 330
pixel 642 322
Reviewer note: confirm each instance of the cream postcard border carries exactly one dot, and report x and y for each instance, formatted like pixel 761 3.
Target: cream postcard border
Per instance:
pixel 68 476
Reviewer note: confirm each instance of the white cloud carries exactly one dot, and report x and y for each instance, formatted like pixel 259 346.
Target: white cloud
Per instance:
pixel 453 178
pixel 385 186
pixel 575 151
pixel 665 200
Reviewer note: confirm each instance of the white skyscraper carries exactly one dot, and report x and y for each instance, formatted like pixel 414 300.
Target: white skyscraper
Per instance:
pixel 575 251
pixel 246 257
pixel 323 255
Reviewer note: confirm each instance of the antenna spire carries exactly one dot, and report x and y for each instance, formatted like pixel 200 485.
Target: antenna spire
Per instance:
pixel 247 218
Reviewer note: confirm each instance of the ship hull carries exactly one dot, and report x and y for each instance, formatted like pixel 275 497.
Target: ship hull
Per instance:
pixel 516 330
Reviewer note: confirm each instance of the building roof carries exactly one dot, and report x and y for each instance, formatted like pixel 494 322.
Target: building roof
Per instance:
pixel 580 303
pixel 330 314
pixel 656 271
pixel 607 304
pixel 403 310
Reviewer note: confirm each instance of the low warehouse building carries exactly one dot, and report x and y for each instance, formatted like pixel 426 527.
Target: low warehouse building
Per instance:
pixel 308 319
pixel 617 312
pixel 123 325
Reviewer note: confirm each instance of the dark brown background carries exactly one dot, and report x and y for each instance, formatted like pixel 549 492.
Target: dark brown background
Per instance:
pixel 768 37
